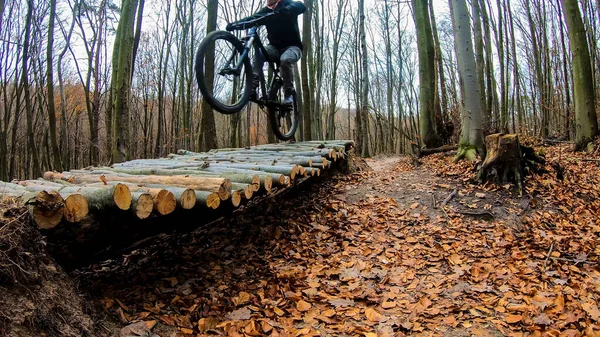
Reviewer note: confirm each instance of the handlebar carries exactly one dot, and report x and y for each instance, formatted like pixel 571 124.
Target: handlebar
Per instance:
pixel 250 23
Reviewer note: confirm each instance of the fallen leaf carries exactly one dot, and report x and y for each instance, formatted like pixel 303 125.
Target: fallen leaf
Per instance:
pixel 542 319
pixel 592 310
pixel 239 314
pixel 511 319
pixel 242 298
pixel 373 315
pixel 303 306
pixel 341 302
pixel 388 305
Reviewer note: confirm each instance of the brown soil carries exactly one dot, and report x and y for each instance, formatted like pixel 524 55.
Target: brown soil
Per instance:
pixel 38 298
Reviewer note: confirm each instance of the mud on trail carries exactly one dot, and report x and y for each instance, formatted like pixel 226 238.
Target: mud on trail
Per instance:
pixel 372 254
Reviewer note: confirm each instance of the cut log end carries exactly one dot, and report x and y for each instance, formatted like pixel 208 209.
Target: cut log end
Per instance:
pixel 143 206
pixel 236 198
pixel 76 208
pixel 165 202
pixel 225 190
pixel 188 199
pixel 47 209
pixel 213 201
pixel 122 196
pixel 268 183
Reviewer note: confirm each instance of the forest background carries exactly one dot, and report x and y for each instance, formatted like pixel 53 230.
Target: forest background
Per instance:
pixel 57 109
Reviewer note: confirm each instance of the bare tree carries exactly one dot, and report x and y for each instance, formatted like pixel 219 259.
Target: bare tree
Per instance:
pixel 50 87
pixel 586 121
pixel 429 135
pixel 364 108
pixel 121 90
pixel 33 153
pixel 307 100
pixel 207 137
pixel 471 137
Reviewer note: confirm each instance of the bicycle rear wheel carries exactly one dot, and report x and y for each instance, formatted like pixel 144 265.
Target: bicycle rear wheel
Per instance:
pixel 284 119
pixel 222 86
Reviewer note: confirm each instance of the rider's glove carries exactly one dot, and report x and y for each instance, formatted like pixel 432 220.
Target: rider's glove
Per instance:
pixel 229 27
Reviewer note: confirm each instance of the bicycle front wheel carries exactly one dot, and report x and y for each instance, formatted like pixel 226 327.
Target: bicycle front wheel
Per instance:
pixel 284 118
pixel 222 84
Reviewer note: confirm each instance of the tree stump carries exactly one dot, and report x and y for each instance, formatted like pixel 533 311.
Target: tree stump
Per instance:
pixel 507 160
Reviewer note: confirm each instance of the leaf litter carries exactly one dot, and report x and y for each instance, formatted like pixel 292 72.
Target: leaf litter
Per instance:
pixel 374 254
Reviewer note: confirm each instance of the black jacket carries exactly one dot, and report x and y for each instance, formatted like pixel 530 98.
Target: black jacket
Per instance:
pixel 282 29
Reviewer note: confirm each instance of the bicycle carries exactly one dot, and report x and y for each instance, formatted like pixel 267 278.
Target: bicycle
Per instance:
pixel 229 88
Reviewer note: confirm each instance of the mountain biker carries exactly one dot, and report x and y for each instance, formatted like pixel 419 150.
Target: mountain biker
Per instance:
pixel 285 43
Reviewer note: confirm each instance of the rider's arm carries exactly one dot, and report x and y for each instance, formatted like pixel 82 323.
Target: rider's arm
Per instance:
pixel 293 8
pixel 256 15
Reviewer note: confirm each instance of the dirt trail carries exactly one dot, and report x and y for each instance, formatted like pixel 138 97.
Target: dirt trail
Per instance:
pixel 371 254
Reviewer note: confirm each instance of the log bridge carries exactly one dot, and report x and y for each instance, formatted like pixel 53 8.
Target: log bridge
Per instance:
pixel 87 214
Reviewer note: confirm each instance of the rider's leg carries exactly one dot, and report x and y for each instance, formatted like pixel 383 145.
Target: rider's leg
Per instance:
pixel 258 64
pixel 289 57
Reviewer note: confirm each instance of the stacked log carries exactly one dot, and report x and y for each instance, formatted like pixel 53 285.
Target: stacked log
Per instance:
pixel 143 189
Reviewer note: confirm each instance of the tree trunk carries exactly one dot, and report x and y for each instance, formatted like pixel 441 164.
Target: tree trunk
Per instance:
pixel 207 135
pixel 364 109
pixel 471 137
pixel 503 126
pixel 427 85
pixel 37 171
pixel 50 87
pixel 565 69
pixel 480 60
pixel 506 160
pixel 444 133
pixel 121 141
pixel 306 90
pixel 586 122
pixel 489 66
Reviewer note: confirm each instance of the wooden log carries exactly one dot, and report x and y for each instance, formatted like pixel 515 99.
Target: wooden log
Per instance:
pixel 142 171
pixel 275 178
pixel 100 196
pixel 207 199
pixel 10 186
pixel 233 177
pixel 222 186
pixel 313 171
pixel 422 152
pixel 142 204
pixel 164 201
pixel 246 190
pixel 328 153
pixel 267 159
pixel 76 207
pixel 288 170
pixel 40 183
pixel 160 163
pixel 186 197
pixel 46 209
pixel 236 198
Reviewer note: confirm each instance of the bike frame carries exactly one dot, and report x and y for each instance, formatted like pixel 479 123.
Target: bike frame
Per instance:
pixel 252 40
